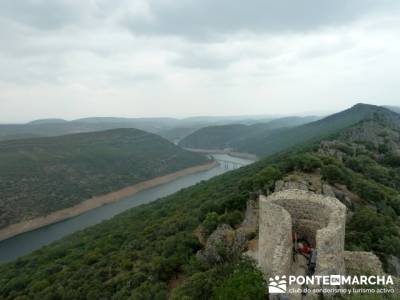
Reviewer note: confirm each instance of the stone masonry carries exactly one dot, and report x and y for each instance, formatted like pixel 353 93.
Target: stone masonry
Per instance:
pixel 317 218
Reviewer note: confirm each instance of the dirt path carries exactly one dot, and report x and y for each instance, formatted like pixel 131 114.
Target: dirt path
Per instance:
pixel 94 202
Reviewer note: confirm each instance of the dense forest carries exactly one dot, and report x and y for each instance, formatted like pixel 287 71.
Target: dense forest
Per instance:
pixel 149 252
pixel 42 175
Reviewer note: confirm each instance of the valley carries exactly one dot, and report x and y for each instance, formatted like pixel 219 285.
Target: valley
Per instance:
pixel 199 150
pixel 198 243
pixel 40 176
pixel 38 235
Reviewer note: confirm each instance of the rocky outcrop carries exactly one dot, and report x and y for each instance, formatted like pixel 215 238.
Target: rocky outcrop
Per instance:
pixel 362 263
pixel 250 221
pixel 282 185
pixel 345 196
pixel 332 148
pixel 327 190
pixel 376 132
pixel 219 245
pixel 226 242
pixel 223 244
pixel 300 181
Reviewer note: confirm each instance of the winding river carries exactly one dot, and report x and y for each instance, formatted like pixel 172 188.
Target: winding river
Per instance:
pixel 27 242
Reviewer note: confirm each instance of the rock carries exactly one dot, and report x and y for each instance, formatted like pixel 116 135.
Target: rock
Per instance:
pixel 361 262
pixel 252 249
pixel 219 245
pixel 332 148
pixel 327 190
pixel 393 265
pixel 345 196
pixel 201 234
pixel 281 185
pixel 250 221
pixel 240 242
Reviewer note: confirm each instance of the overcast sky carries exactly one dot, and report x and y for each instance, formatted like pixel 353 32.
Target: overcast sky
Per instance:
pixel 136 58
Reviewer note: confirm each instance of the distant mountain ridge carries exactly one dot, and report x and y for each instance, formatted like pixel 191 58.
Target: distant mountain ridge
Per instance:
pixel 170 128
pixel 231 136
pixel 48 121
pixel 262 143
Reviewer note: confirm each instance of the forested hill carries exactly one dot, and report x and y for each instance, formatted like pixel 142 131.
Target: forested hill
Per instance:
pixel 43 175
pixel 393 108
pixel 151 252
pixel 269 142
pixel 234 135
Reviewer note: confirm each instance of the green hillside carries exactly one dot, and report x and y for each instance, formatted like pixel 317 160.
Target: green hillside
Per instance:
pixel 393 108
pixel 52 127
pixel 267 141
pixel 42 175
pixel 234 135
pixel 216 137
pixel 282 140
pixel 149 252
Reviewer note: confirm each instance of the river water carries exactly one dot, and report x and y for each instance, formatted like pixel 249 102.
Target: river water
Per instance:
pixel 25 243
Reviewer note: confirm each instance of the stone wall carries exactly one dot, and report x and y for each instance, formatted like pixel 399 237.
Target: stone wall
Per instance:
pixel 275 239
pixel 317 218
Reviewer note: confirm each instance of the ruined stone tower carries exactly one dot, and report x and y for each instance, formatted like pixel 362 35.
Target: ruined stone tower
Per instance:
pixel 320 219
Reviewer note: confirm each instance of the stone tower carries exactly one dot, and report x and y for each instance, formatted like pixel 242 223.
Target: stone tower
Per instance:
pixel 318 218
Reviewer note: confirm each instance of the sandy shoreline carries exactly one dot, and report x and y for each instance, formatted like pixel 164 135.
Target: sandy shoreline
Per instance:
pixel 94 202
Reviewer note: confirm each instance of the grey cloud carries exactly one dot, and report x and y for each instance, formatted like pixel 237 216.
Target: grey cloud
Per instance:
pixel 40 14
pixel 209 19
pixel 56 14
pixel 197 58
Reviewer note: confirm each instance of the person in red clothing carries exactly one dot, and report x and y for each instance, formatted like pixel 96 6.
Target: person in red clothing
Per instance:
pixel 304 248
pixel 301 246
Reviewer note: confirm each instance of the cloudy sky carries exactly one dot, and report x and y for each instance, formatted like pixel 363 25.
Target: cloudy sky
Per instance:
pixel 135 58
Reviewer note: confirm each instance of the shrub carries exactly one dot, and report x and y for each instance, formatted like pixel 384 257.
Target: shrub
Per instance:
pixel 266 177
pixel 246 282
pixel 233 218
pixel 210 223
pixel 333 174
pixel 306 162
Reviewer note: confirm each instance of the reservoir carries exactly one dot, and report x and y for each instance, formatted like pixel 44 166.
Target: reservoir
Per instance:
pixel 27 242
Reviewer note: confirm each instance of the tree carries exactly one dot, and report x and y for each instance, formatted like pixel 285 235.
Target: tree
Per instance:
pixel 246 282
pixel 210 223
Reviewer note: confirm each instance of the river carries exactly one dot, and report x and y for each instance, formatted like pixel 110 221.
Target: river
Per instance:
pixel 27 242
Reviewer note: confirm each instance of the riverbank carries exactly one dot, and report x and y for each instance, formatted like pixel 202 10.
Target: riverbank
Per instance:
pixel 98 201
pixel 248 156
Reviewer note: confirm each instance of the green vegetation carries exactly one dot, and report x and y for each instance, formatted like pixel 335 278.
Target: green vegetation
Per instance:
pixel 39 176
pixel 216 137
pixel 264 140
pixel 236 280
pixel 234 136
pixel 138 253
pixel 150 252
